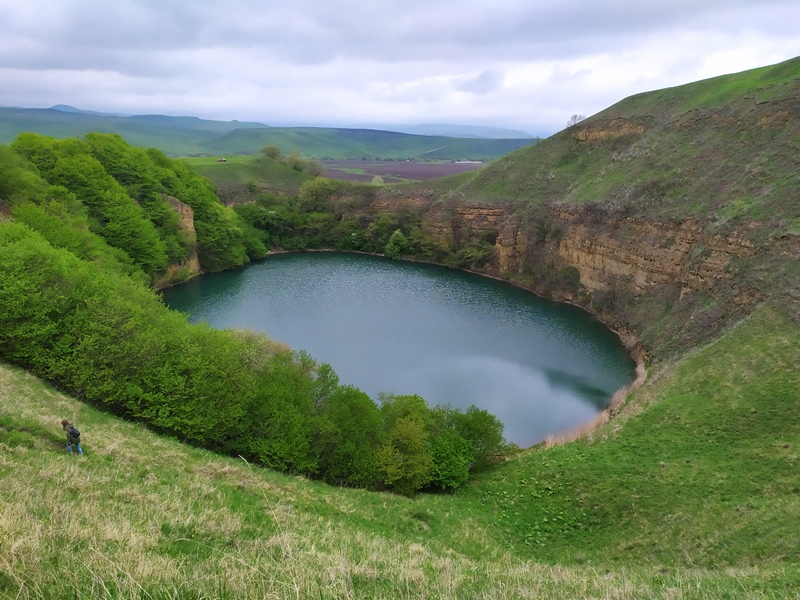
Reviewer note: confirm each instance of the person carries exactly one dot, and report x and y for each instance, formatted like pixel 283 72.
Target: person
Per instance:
pixel 71 437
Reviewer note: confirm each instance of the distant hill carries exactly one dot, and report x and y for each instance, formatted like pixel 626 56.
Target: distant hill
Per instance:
pixel 178 136
pixel 459 131
pixel 192 136
pixel 321 142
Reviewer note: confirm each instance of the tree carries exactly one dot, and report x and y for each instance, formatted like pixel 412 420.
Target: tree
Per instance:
pixel 404 461
pixel 397 245
pixel 315 168
pixel 348 438
pixel 272 152
pixel 296 161
pixel 484 432
pixel 575 119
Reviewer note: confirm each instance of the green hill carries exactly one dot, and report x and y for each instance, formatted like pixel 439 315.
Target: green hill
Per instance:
pixel 320 142
pixel 711 165
pixel 691 492
pixel 241 177
pixel 179 136
pixel 722 150
pixel 186 136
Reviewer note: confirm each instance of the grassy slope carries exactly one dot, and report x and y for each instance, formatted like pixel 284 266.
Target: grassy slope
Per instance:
pixel 184 136
pixel 243 170
pixel 691 492
pixel 723 150
pixel 320 142
pixel 173 135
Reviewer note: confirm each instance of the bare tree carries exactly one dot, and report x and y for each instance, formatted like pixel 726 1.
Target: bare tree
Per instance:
pixel 575 119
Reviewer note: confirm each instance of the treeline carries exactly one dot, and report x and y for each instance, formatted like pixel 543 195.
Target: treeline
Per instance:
pixel 121 194
pixel 83 230
pixel 294 160
pixel 334 214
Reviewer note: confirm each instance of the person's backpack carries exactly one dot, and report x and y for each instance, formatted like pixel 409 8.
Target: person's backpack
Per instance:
pixel 75 433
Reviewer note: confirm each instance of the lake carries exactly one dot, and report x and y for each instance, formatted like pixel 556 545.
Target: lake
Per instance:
pixel 409 328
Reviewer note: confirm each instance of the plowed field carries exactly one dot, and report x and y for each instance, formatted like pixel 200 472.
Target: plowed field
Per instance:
pixel 394 171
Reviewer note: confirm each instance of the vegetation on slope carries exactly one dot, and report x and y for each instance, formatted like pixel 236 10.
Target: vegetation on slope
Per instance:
pixel 722 150
pixel 79 315
pixel 240 178
pixel 322 142
pixel 691 493
pixel 190 136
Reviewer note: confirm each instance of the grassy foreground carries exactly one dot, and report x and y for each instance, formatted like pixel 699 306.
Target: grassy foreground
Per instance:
pixel 691 491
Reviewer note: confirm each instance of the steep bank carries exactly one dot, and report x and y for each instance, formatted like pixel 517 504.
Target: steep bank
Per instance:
pixel 670 214
pixel 630 271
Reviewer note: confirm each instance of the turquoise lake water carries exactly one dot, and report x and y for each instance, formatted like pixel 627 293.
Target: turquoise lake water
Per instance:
pixel 408 328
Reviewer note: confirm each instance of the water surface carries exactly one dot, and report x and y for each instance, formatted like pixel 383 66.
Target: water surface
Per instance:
pixel 408 328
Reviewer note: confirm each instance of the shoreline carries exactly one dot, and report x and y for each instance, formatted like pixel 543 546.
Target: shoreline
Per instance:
pixel 626 337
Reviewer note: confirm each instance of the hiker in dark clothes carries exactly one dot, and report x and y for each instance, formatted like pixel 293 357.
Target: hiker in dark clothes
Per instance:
pixel 73 437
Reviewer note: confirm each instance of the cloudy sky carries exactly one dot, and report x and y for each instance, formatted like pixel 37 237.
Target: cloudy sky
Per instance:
pixel 523 64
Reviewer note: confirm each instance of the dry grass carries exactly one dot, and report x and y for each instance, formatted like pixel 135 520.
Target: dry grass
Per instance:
pixel 146 517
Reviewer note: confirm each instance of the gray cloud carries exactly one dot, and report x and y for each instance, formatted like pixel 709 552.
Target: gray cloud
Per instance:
pixel 517 63
pixel 484 83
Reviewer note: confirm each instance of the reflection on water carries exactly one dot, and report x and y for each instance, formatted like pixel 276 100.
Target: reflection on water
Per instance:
pixel 452 337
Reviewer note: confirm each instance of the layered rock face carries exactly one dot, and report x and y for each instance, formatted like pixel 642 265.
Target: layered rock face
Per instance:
pixel 643 254
pixel 608 251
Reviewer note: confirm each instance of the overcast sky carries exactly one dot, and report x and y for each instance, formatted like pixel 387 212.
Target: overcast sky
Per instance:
pixel 523 64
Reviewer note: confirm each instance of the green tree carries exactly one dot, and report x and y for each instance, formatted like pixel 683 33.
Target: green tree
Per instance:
pixel 484 432
pixel 348 437
pixel 397 245
pixel 272 152
pixel 452 457
pixel 404 460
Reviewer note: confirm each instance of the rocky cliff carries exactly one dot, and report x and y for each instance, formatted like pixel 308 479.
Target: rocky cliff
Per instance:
pixel 606 251
pixel 599 254
pixel 190 266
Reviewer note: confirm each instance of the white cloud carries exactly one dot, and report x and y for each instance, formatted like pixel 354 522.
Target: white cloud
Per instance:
pixel 516 63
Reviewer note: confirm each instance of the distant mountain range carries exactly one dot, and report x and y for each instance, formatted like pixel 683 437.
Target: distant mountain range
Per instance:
pixel 192 136
pixel 461 131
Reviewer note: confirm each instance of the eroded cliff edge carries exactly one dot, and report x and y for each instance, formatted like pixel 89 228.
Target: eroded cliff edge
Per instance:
pixel 663 284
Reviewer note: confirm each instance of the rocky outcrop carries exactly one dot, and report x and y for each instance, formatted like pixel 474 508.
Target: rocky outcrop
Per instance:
pixel 189 267
pixel 607 250
pixel 603 130
pixel 642 254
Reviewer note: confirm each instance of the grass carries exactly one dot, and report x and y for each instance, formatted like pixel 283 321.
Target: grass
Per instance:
pixel 190 136
pixel 705 149
pixel 241 173
pixel 690 491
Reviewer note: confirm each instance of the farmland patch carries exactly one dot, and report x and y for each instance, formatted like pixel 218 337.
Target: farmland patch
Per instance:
pixel 394 171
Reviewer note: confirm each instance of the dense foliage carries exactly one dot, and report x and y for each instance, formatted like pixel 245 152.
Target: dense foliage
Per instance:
pixel 335 214
pixel 124 194
pixel 90 227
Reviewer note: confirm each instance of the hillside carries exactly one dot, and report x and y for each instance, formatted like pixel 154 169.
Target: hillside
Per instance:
pixel 187 136
pixel 723 150
pixel 321 142
pixel 672 215
pixel 242 177
pixel 691 492
pixel 177 136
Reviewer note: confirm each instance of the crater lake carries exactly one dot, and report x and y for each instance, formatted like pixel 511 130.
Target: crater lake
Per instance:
pixel 399 327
